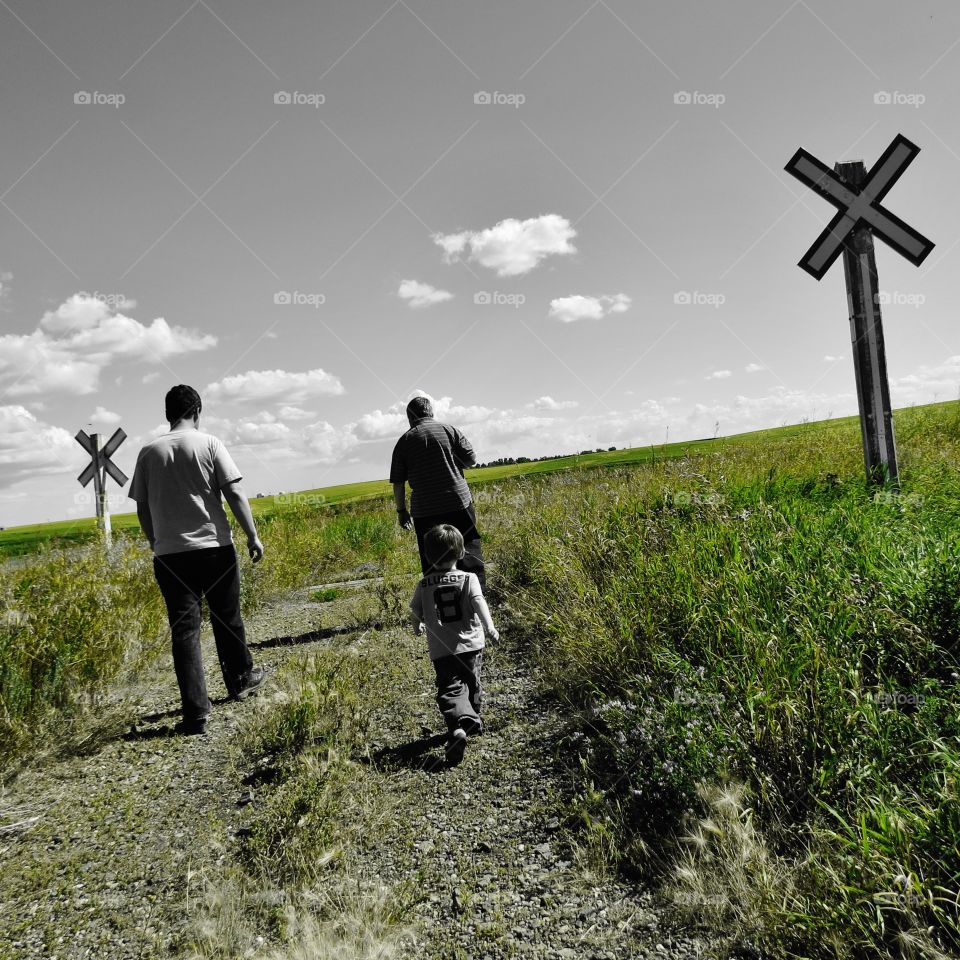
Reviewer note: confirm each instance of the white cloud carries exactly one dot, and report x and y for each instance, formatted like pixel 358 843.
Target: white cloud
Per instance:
pixel 940 382
pixel 512 247
pixel 379 424
pixel 718 375
pixel 75 343
pixel 832 359
pixel 754 367
pixel 259 386
pixel 104 417
pixel 382 424
pixel 421 294
pixel 29 447
pixel 578 307
pixel 326 444
pixel 548 403
pixel 151 376
pixel 294 413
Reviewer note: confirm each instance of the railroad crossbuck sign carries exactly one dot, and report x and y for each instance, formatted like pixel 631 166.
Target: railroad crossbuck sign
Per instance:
pixel 97 470
pixel 856 194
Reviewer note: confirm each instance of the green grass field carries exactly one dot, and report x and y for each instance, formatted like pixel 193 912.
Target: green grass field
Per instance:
pixel 24 540
pixel 757 654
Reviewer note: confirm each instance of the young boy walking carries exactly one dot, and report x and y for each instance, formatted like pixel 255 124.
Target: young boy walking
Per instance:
pixel 450 604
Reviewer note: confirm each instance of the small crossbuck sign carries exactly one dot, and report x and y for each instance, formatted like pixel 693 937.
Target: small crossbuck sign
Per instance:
pixel 856 206
pixel 100 459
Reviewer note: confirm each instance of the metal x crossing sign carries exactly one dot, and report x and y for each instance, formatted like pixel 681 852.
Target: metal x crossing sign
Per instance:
pixel 100 458
pixel 860 205
pixel 98 469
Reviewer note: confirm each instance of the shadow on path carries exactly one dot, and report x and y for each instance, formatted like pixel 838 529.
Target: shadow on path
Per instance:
pixel 311 636
pixel 414 755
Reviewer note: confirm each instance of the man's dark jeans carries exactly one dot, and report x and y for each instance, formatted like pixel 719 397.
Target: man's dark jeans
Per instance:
pixel 183 579
pixel 466 522
pixel 459 693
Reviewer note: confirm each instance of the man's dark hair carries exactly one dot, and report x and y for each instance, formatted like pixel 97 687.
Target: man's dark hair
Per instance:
pixel 442 544
pixel 418 408
pixel 182 403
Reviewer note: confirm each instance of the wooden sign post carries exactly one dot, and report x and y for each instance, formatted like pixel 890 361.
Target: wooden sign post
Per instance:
pixel 97 470
pixel 856 194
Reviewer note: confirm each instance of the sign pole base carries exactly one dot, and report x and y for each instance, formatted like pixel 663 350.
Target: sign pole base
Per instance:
pixel 869 352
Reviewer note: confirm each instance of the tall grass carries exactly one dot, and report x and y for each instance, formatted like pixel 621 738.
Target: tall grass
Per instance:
pixel 72 622
pixel 69 625
pixel 760 650
pixel 761 624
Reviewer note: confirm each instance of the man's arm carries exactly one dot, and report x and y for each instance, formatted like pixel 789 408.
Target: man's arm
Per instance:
pixel 400 498
pixel 146 520
pixel 462 450
pixel 234 494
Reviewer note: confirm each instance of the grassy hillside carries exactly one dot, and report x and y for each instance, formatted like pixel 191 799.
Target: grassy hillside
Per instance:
pixel 23 540
pixel 761 654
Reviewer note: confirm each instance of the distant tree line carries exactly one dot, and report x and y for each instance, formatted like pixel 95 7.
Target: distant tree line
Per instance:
pixel 508 461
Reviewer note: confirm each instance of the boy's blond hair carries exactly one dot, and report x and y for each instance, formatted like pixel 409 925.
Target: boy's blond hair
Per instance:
pixel 443 543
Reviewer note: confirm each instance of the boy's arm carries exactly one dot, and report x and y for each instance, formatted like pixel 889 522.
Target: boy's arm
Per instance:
pixel 416 608
pixel 483 611
pixel 234 494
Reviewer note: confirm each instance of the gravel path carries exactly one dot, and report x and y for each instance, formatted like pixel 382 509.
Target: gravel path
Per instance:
pixel 486 844
pixel 108 867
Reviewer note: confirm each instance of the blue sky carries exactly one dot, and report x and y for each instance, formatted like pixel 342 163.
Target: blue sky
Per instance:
pixel 568 222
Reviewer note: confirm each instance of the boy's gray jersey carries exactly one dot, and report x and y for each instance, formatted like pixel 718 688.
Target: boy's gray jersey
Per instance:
pixel 452 607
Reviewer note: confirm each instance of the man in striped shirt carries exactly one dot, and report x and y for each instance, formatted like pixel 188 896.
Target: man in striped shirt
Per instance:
pixel 431 457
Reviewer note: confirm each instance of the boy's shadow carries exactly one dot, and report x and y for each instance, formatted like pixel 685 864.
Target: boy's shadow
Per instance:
pixel 414 755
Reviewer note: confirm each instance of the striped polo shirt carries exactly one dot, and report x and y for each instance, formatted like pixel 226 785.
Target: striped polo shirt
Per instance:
pixel 431 456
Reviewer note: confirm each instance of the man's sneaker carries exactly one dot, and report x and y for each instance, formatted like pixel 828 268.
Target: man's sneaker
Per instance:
pixel 456 746
pixel 473 726
pixel 250 683
pixel 191 728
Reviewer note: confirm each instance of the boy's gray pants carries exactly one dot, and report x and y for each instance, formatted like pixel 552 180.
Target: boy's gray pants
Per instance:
pixel 459 692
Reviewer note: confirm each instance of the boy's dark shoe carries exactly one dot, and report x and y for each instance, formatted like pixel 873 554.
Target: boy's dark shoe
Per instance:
pixel 456 746
pixel 472 726
pixel 191 728
pixel 250 683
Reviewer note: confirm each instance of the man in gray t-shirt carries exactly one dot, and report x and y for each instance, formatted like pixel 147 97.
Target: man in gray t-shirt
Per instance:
pixel 178 483
pixel 431 457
